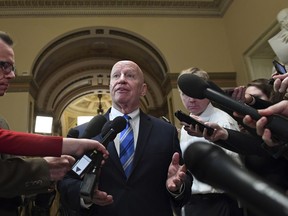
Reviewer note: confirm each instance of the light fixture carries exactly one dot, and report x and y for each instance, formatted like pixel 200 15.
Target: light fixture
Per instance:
pixel 100 110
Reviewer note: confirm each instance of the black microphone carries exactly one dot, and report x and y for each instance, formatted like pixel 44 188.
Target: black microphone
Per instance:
pixel 196 87
pixel 93 128
pixel 106 128
pixel 109 132
pixel 112 128
pixel 73 133
pixel 211 165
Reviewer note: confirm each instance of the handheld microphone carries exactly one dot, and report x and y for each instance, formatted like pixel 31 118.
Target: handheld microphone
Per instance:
pixel 109 132
pixel 93 128
pixel 73 133
pixel 211 165
pixel 196 87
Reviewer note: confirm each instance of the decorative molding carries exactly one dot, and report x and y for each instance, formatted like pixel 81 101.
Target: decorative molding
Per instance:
pixel 23 84
pixel 222 79
pixel 113 7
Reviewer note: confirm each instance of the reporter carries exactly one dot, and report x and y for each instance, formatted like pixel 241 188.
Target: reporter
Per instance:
pixel 205 199
pixel 27 176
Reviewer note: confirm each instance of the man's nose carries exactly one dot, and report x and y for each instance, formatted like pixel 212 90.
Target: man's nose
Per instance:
pixel 11 75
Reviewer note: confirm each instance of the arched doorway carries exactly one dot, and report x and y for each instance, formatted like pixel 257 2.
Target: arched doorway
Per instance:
pixel 74 69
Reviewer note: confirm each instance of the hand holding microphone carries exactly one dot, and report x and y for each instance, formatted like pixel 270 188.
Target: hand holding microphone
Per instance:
pixel 211 165
pixel 108 133
pixel 195 87
pixel 92 129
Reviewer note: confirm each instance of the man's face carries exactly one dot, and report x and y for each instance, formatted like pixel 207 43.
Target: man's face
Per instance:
pixel 193 105
pixel 127 84
pixel 6 61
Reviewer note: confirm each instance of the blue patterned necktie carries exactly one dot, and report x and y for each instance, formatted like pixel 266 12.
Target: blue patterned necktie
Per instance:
pixel 127 147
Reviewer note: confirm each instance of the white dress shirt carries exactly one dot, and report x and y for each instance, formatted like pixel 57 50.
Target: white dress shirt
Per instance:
pixel 215 115
pixel 134 122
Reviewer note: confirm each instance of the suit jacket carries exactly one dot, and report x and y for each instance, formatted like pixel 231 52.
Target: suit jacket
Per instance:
pixel 145 192
pixel 24 144
pixel 23 176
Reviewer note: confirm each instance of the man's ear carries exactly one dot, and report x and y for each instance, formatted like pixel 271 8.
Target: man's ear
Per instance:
pixel 144 89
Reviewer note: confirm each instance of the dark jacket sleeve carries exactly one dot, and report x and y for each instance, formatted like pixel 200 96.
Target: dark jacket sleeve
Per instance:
pixel 242 143
pixel 69 189
pixel 23 176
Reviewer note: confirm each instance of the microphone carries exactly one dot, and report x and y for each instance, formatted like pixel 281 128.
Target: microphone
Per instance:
pixel 111 129
pixel 211 165
pixel 93 128
pixel 109 132
pixel 196 87
pixel 73 133
pixel 106 128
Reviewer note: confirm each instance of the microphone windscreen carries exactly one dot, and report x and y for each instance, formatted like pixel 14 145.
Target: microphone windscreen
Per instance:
pixel 198 158
pixel 118 124
pixel 94 126
pixel 106 128
pixel 192 85
pixel 215 87
pixel 73 133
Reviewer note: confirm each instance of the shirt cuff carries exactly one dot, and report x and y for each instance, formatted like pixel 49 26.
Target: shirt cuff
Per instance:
pixel 178 193
pixel 85 205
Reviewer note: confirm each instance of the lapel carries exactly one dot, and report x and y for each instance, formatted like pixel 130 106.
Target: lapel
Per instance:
pixel 113 155
pixel 145 127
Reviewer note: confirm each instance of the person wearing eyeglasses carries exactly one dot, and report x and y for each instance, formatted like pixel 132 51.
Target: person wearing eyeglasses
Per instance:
pixel 28 176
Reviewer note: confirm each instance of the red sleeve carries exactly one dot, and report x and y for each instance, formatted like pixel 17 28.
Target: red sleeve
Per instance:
pixel 25 144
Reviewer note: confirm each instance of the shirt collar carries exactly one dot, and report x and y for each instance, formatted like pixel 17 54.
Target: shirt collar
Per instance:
pixel 115 113
pixel 205 116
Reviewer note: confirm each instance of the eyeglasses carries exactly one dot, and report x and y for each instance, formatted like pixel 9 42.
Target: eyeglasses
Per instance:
pixel 7 67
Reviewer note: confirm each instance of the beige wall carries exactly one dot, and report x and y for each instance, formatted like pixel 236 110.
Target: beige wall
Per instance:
pixel 15 109
pixel 245 22
pixel 182 41
pixel 214 44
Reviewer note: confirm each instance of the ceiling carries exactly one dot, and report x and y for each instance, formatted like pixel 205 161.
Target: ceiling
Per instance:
pixel 114 7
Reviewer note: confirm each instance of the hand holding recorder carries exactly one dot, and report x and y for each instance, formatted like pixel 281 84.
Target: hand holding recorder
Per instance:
pixel 194 122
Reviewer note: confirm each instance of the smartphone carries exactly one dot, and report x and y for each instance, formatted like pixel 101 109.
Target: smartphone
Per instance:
pixel 189 120
pixel 279 67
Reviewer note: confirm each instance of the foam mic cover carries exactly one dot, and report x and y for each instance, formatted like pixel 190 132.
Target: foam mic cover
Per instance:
pixel 112 128
pixel 94 127
pixel 211 165
pixel 73 133
pixel 196 87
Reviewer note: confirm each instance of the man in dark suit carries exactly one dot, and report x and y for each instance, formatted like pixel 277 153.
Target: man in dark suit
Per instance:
pixel 155 183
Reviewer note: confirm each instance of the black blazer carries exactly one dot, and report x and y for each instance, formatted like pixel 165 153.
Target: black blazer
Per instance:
pixel 144 193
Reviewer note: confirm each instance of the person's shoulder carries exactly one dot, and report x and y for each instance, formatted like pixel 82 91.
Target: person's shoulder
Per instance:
pixel 159 122
pixel 222 113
